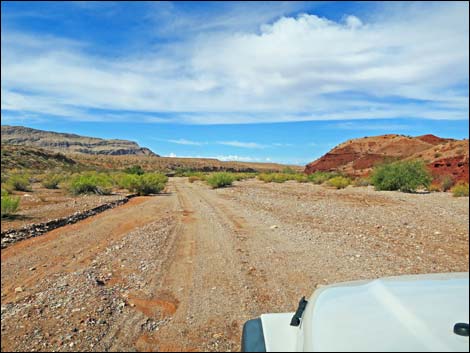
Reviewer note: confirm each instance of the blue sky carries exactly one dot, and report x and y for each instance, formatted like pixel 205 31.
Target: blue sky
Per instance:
pixel 282 82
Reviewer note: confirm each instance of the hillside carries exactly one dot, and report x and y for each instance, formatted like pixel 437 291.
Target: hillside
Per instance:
pixel 358 156
pixel 70 143
pixel 32 158
pixel 22 157
pixel 169 164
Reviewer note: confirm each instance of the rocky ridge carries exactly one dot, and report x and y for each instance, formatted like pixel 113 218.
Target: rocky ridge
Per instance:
pixel 70 143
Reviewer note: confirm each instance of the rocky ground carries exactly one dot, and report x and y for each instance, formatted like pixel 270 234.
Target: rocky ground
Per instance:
pixel 41 205
pixel 185 269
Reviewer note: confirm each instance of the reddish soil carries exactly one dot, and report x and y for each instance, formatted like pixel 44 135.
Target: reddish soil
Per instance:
pixel 432 139
pixel 457 168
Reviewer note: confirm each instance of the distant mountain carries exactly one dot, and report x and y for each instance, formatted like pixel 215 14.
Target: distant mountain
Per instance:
pixel 70 143
pixel 358 156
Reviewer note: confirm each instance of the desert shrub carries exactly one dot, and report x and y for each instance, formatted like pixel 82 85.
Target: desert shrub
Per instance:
pixel 361 182
pixel 339 182
pixel 51 181
pixel 282 177
pixel 434 188
pixel 459 190
pixel 117 179
pixel 266 177
pixel 405 176
pixel 288 170
pixel 90 182
pixel 185 172
pixel 301 178
pixel 7 188
pixel 196 175
pixel 4 176
pixel 19 182
pixel 437 155
pixel 146 184
pixel 218 180
pixel 135 169
pixel 320 177
pixel 9 204
pixel 447 183
pixel 126 181
pixel 243 176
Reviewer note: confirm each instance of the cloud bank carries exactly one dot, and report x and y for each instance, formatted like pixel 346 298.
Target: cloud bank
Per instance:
pixel 404 61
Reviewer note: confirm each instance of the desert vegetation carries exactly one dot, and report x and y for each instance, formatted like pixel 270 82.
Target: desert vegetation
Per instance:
pixel 315 178
pixel 218 180
pixel 320 177
pixel 9 204
pixel 459 190
pixel 339 182
pixel 144 184
pixel 52 181
pixel 135 169
pixel 406 176
pixel 90 182
pixel 19 182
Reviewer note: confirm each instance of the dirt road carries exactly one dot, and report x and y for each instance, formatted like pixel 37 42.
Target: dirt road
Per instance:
pixel 185 269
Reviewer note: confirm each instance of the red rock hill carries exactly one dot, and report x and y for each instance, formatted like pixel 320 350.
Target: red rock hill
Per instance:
pixel 358 156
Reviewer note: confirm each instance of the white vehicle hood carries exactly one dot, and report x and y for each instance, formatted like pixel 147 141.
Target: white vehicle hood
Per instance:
pixel 406 313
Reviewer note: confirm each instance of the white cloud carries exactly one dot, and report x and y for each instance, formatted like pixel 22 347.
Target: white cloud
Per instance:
pixel 186 142
pixel 362 126
pixel 230 157
pixel 294 69
pixel 353 22
pixel 282 144
pixel 242 144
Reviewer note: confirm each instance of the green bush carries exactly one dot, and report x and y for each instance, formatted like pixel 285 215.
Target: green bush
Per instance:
pixel 9 204
pixel 301 178
pixel 288 170
pixel 135 169
pixel 266 177
pixel 19 182
pixel 320 177
pixel 243 176
pixel 459 190
pixel 51 181
pixel 339 182
pixel 90 182
pixel 145 184
pixel 405 176
pixel 282 177
pixel 218 180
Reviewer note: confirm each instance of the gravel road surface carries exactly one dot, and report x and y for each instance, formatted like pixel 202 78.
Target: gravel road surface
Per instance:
pixel 185 269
